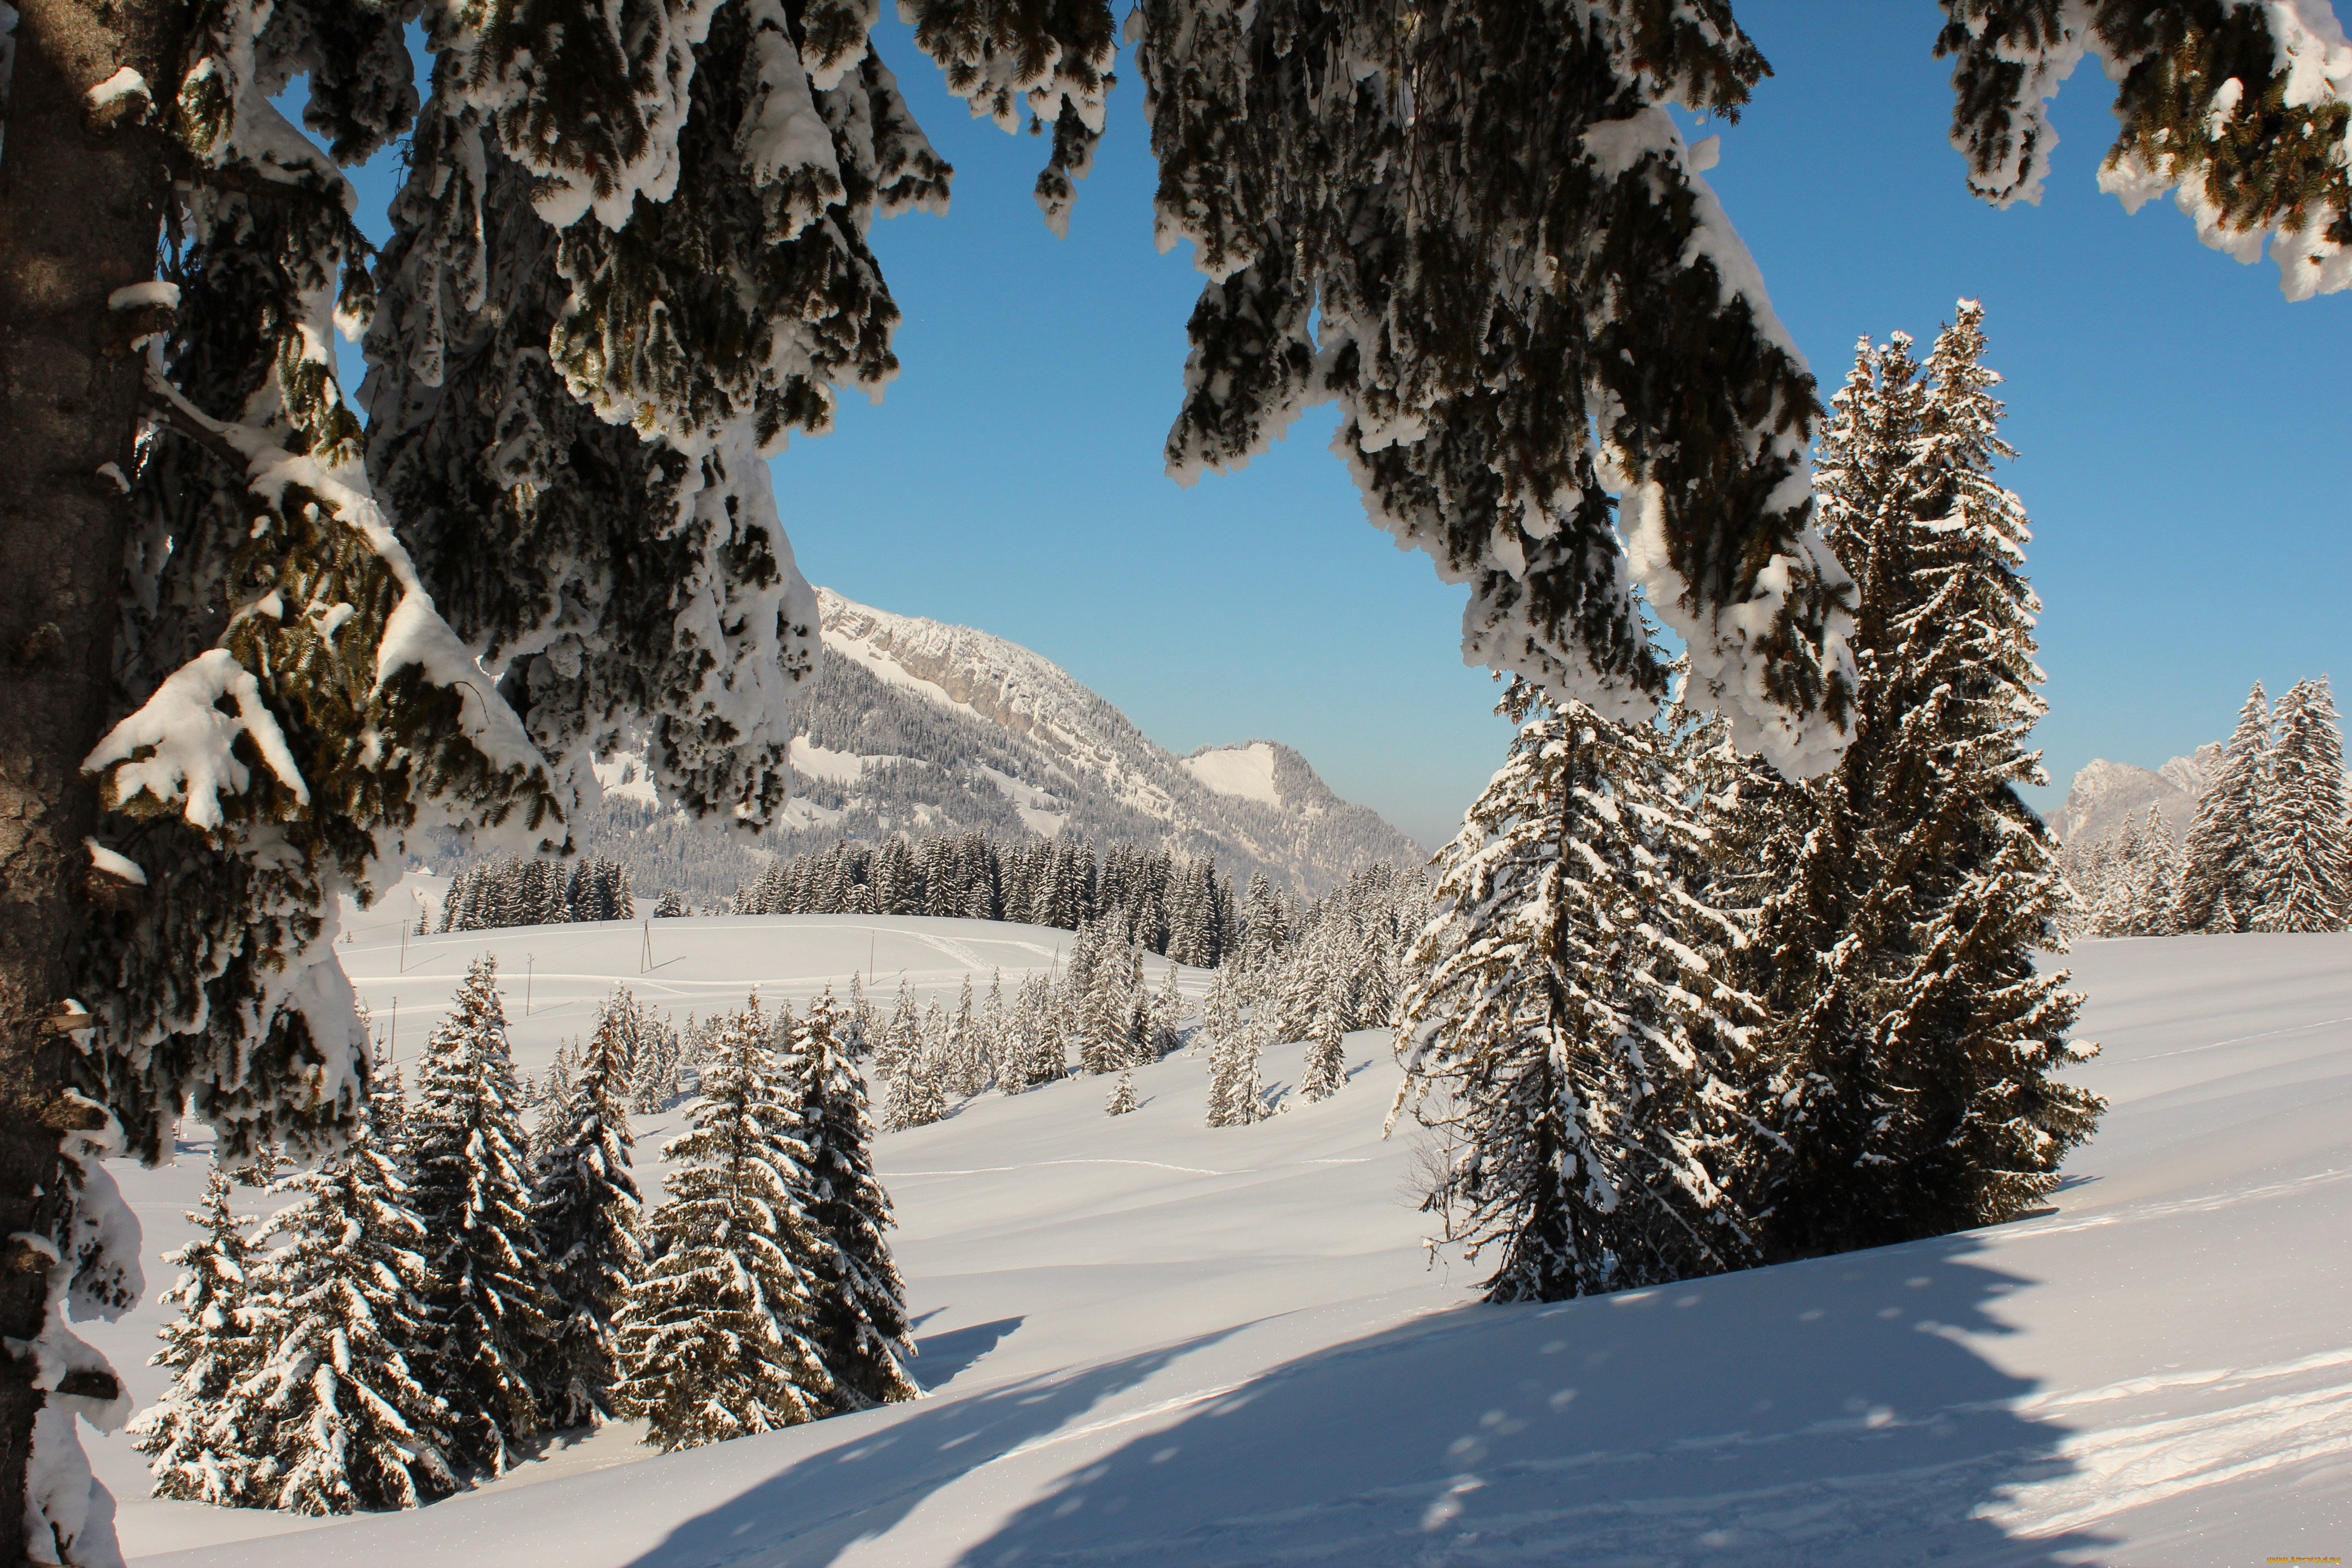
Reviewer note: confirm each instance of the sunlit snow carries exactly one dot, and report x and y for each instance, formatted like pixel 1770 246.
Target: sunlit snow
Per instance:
pixel 1152 1343
pixel 1244 770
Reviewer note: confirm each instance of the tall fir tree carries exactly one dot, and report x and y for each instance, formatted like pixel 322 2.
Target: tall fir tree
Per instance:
pixel 1564 1029
pixel 1914 1047
pixel 198 1448
pixel 2222 878
pixel 2301 838
pixel 859 1323
pixel 718 1335
pixel 583 1215
pixel 470 1177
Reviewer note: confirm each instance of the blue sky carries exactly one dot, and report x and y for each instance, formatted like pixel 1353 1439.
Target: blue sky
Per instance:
pixel 2174 416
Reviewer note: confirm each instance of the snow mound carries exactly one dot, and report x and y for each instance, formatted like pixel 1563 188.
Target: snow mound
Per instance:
pixel 1247 771
pixel 1149 1343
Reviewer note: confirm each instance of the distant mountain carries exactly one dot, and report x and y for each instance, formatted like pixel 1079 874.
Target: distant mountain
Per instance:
pixel 916 726
pixel 2106 795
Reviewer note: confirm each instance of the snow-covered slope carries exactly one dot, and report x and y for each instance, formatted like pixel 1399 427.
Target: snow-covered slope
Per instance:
pixel 1153 1344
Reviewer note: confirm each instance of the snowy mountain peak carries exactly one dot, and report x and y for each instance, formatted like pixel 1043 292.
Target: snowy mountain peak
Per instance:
pixel 919 726
pixel 2106 795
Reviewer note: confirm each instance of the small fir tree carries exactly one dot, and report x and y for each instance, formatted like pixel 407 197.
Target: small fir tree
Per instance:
pixel 1122 1097
pixel 2222 878
pixel 1236 1091
pixel 2156 892
pixel 1326 1068
pixel 718 1336
pixel 343 1419
pixel 585 1211
pixel 487 1299
pixel 201 1446
pixel 860 1308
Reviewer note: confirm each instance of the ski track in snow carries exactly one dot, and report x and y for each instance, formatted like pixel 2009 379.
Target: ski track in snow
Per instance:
pixel 1129 1368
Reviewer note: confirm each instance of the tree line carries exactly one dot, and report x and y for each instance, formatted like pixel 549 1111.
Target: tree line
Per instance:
pixel 1171 903
pixel 2269 850
pixel 446 1288
pixel 515 891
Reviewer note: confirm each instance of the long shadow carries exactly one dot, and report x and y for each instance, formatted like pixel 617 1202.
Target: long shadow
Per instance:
pixel 1823 1415
pixel 942 1355
pixel 827 1499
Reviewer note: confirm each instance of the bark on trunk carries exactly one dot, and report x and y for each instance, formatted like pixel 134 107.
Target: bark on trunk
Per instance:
pixel 80 206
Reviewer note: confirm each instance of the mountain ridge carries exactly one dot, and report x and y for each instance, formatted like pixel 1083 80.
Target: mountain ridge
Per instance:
pixel 919 727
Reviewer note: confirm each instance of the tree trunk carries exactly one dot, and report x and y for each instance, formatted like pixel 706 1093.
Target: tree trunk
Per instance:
pixel 80 207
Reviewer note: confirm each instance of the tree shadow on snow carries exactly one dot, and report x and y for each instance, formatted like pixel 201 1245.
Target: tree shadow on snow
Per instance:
pixel 884 1465
pixel 1820 1415
pixel 944 1355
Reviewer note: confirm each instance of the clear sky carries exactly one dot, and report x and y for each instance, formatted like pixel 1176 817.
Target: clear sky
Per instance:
pixel 2181 431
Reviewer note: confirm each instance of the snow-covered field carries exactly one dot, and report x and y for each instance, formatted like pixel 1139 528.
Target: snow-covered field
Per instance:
pixel 1149 1343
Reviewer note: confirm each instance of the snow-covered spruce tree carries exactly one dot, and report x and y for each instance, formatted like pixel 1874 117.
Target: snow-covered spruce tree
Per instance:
pixel 339 1418
pixel 2302 839
pixel 914 1098
pixel 583 1214
pixel 488 1307
pixel 1122 1095
pixel 1913 1047
pixel 2222 878
pixel 1167 1015
pixel 1235 1091
pixel 196 1452
pixel 716 1335
pixel 1564 1027
pixel 860 1303
pixel 1325 1073
pixel 2158 891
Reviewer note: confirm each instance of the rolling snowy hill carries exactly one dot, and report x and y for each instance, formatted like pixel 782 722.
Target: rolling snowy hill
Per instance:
pixel 1149 1342
pixel 916 726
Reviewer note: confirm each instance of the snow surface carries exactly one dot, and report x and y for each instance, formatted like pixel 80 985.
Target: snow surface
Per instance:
pixel 1151 1343
pixel 1244 770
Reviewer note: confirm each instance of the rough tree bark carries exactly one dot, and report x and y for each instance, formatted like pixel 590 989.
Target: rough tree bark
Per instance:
pixel 82 201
